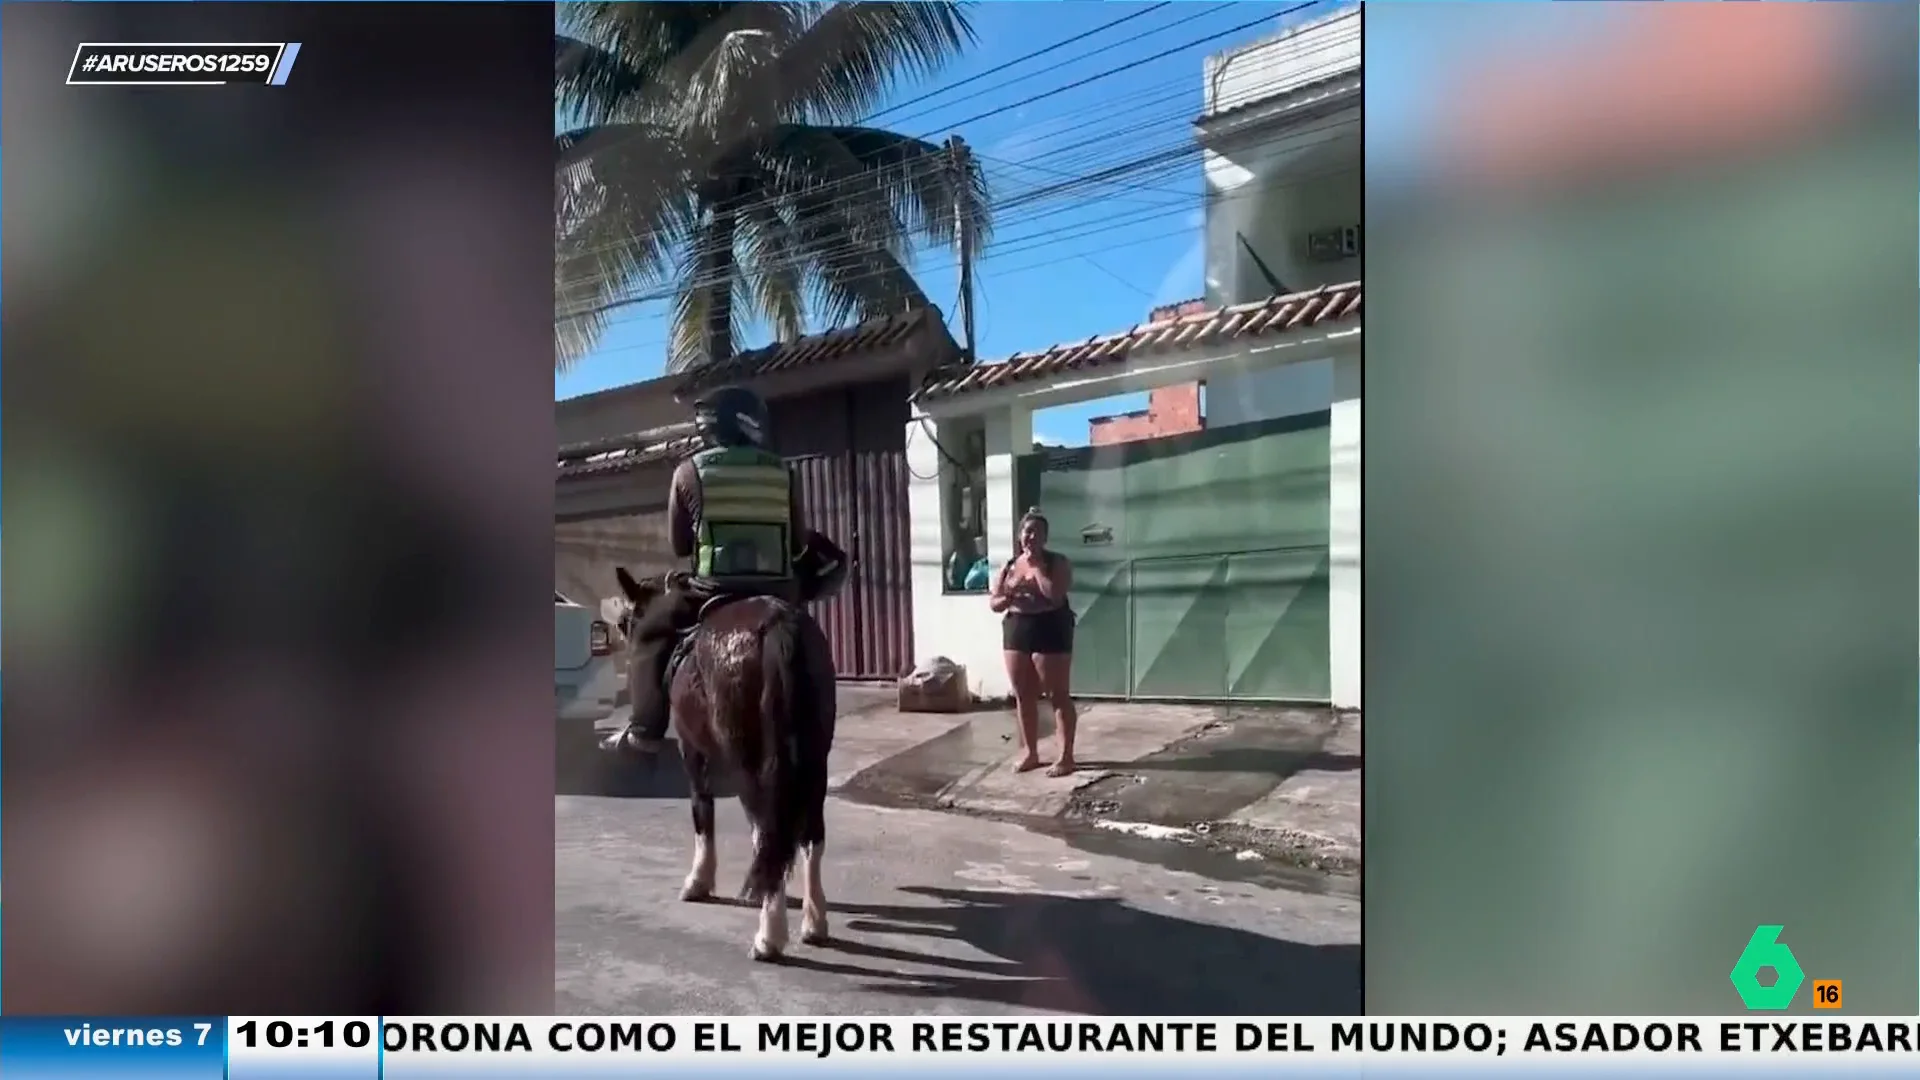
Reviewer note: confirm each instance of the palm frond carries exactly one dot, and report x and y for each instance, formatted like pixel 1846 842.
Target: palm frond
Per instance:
pixel 850 283
pixel 619 217
pixel 708 166
pixel 853 54
pixel 774 269
pixel 919 179
pixel 709 277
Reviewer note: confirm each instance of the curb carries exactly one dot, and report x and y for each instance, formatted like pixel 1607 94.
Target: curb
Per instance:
pixel 1246 843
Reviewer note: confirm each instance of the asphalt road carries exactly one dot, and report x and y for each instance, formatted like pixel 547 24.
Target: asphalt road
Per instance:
pixel 936 913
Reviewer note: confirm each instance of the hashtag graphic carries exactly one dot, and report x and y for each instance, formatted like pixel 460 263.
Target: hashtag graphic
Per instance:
pixel 90 63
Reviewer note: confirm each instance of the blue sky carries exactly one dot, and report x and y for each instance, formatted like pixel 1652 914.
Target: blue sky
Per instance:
pixel 1065 268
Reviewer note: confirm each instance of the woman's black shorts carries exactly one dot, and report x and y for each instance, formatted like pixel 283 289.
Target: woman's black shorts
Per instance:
pixel 1045 633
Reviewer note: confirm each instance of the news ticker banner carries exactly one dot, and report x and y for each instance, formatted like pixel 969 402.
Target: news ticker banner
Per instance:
pixel 369 1047
pixel 193 64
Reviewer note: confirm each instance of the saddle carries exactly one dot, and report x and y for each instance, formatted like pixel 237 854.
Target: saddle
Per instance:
pixel 712 598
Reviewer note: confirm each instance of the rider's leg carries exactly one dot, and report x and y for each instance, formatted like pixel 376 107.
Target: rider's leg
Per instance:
pixel 654 634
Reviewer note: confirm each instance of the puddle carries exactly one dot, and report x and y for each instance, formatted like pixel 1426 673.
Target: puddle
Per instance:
pixel 1196 859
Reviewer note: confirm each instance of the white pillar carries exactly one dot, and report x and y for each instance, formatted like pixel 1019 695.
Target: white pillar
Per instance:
pixel 1343 533
pixel 924 541
pixel 1009 432
pixel 960 626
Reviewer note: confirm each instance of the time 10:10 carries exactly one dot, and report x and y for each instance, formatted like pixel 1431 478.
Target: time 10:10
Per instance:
pixel 354 1034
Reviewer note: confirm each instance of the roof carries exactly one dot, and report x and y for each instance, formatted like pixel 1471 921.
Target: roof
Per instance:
pixel 1284 78
pixel 1319 91
pixel 1241 322
pixel 819 348
pixel 621 453
pixel 624 452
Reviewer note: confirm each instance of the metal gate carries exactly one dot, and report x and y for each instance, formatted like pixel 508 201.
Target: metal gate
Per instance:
pixel 847 448
pixel 1200 561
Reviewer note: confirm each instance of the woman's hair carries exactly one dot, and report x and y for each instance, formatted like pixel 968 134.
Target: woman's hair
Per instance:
pixel 1034 516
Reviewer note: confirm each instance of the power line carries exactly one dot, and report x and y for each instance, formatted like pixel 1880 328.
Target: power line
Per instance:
pixel 1014 210
pixel 1109 47
pixel 1120 135
pixel 1016 61
pixel 993 269
pixel 1157 158
pixel 1097 76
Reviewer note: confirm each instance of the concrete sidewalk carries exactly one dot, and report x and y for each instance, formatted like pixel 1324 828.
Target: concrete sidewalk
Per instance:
pixel 1270 781
pixel 1313 816
pixel 969 767
pixel 1262 782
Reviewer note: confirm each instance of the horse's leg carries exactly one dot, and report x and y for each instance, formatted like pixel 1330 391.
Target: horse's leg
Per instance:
pixel 699 884
pixel 771 940
pixel 813 846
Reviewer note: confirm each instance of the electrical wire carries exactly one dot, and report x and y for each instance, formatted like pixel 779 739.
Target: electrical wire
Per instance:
pixel 1007 242
pixel 1015 62
pixel 1097 76
pixel 1158 163
pixel 1011 211
pixel 999 271
pixel 1067 160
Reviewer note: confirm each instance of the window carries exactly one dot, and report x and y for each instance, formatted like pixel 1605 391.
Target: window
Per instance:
pixel 964 563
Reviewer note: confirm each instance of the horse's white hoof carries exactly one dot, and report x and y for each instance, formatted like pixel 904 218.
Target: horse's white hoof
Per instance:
pixel 696 890
pixel 765 951
pixel 814 933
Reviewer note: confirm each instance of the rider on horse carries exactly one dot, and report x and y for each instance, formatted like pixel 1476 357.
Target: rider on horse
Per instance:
pixel 734 514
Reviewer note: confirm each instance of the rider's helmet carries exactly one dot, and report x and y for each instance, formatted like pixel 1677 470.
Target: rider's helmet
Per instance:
pixel 731 416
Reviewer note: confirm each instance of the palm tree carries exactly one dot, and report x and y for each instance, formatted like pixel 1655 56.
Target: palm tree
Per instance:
pixel 719 160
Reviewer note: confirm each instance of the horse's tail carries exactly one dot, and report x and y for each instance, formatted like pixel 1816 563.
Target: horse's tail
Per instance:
pixel 793 752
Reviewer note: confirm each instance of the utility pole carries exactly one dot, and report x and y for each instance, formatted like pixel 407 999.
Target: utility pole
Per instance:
pixel 960 160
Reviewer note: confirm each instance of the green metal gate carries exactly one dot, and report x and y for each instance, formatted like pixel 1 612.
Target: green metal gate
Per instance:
pixel 1200 561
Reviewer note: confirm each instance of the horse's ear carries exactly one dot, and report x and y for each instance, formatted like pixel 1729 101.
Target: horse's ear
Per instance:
pixel 627 584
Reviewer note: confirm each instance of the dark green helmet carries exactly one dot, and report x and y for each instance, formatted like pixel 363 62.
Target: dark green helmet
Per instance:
pixel 732 416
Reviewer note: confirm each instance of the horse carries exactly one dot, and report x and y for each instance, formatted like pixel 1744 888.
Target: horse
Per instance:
pixel 752 690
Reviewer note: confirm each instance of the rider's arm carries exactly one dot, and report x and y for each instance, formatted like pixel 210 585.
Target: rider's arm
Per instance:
pixel 681 511
pixel 797 518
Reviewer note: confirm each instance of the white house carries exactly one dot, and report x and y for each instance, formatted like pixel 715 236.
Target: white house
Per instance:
pixel 1222 564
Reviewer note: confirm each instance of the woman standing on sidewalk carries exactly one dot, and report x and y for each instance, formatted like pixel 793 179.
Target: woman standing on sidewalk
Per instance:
pixel 1036 636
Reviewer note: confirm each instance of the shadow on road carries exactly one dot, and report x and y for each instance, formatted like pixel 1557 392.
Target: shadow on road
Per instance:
pixel 1093 955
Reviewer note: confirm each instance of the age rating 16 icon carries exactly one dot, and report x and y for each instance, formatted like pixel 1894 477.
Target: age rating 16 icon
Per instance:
pixel 1765 950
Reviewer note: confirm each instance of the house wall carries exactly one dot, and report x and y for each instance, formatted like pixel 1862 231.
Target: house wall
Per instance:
pixel 622 410
pixel 1275 189
pixel 1303 387
pixel 1294 58
pixel 1275 185
pixel 1171 410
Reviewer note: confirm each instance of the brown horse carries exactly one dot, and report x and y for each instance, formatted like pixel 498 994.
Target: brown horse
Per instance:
pixel 753 692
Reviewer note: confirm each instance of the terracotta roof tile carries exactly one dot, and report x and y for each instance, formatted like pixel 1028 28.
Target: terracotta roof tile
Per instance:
pixel 1260 319
pixel 819 348
pixel 623 452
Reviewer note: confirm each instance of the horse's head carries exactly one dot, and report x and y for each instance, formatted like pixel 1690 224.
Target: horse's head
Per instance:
pixel 636 596
pixel 638 592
